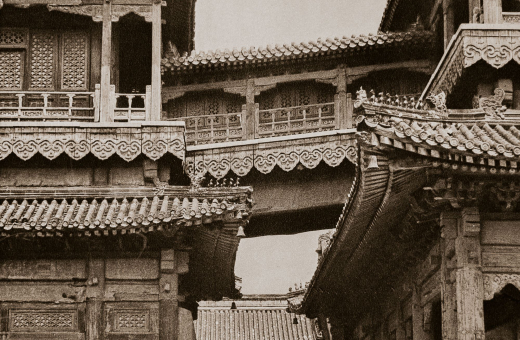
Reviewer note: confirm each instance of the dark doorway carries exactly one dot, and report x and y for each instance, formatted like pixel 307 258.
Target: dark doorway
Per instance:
pixel 135 54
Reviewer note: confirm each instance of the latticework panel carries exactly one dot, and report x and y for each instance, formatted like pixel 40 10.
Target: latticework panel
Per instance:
pixel 42 320
pixel 132 320
pixel 13 37
pixel 42 60
pixel 11 70
pixel 74 64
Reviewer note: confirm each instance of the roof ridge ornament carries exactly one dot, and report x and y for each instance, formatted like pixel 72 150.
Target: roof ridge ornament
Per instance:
pixel 492 105
pixel 361 97
pixel 439 101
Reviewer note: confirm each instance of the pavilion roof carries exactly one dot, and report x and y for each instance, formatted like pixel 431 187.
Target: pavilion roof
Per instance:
pixel 293 52
pixel 253 319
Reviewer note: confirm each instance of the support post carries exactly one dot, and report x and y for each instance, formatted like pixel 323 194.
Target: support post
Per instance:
pixel 340 100
pixel 155 113
pixel 418 325
pixel 94 295
pixel 250 110
pixel 106 60
pixel 449 21
pixel 168 304
pixel 462 287
pixel 492 11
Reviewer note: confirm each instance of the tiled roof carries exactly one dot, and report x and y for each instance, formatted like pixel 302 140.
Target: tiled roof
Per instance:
pixel 261 55
pixel 462 135
pixel 104 216
pixel 252 320
pixel 388 14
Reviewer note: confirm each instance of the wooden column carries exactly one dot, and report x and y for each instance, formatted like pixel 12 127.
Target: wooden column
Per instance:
pixel 449 21
pixel 94 295
pixel 155 112
pixel 342 113
pixel 106 60
pixel 492 11
pixel 168 305
pixel 461 277
pixel 419 331
pixel 250 110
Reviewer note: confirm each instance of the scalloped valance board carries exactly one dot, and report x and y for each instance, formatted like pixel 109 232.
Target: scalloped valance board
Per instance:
pixel 287 156
pixel 77 142
pixel 475 42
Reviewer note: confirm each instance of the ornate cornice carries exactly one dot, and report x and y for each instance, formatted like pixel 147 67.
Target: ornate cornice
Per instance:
pixel 77 140
pixel 265 156
pixel 494 283
pixel 474 42
pixel 96 11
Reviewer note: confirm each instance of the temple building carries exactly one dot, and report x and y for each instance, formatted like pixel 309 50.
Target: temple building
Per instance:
pixel 427 244
pixel 128 165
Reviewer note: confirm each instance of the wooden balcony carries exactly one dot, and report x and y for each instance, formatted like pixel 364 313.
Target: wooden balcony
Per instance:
pixel 73 106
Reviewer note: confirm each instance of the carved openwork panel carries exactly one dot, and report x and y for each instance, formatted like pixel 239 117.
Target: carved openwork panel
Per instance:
pixel 494 283
pixel 132 321
pixel 42 320
pixel 13 37
pixel 131 318
pixel 74 61
pixel 42 49
pixel 11 69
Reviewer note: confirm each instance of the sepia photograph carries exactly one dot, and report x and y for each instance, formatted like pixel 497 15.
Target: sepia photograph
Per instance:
pixel 259 169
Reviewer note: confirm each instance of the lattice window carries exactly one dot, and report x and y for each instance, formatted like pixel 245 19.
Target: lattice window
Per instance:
pixel 42 320
pixel 286 98
pixel 267 102
pixel 213 107
pixel 304 97
pixel 233 106
pixel 42 60
pixel 74 61
pixel 13 37
pixel 11 69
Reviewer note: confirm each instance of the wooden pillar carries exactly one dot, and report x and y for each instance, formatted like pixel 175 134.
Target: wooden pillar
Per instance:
pixel 168 305
pixel 106 60
pixel 461 276
pixel 418 324
pixel 344 117
pixel 155 112
pixel 250 110
pixel 474 8
pixel 449 21
pixel 94 295
pixel 492 11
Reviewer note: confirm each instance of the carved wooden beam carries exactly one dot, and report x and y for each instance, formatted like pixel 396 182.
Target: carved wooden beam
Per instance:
pixel 96 11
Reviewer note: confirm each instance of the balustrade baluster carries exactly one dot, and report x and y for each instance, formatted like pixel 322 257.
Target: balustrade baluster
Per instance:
pixel 20 103
pixel 45 103
pixel 71 99
pixel 130 98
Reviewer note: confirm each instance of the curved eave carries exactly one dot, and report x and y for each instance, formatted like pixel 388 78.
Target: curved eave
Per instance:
pixel 348 275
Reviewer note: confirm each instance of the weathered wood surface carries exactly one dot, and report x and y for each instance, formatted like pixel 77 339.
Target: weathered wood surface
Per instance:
pixel 42 269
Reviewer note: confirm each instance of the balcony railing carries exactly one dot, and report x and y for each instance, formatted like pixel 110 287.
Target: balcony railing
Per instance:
pixel 131 106
pixel 295 120
pixel 27 105
pixel 77 106
pixel 216 128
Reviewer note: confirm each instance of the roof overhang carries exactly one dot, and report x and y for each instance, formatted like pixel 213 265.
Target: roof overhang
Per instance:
pixel 495 44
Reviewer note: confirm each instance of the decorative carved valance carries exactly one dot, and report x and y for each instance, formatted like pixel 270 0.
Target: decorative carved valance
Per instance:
pixel 286 155
pixel 494 283
pixel 96 11
pixel 77 141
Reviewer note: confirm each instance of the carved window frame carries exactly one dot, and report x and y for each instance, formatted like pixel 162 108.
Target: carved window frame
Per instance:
pixel 17 47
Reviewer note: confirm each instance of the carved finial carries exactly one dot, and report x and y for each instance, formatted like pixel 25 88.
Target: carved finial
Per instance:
pixel 372 96
pixel 439 101
pixel 477 12
pixel 361 97
pixel 492 105
pixel 159 186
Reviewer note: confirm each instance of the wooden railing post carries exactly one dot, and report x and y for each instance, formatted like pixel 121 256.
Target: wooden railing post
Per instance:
pixel 147 102
pixel 492 11
pixel 97 101
pixel 112 102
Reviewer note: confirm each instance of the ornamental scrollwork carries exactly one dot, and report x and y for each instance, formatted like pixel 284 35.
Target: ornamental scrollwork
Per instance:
pixel 494 283
pixel 496 51
pixel 81 141
pixel 286 158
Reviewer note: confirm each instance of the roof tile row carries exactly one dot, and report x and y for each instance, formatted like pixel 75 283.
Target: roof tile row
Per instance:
pixel 278 52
